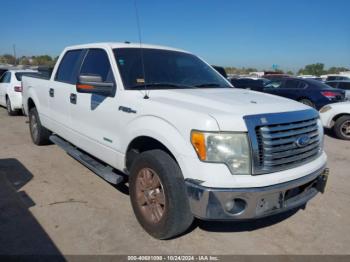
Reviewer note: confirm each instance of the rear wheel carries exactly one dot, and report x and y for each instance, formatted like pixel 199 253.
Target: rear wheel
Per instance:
pixel 307 102
pixel 158 195
pixel 40 135
pixel 342 127
pixel 9 108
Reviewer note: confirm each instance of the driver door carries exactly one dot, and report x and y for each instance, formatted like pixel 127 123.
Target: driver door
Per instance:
pixel 95 118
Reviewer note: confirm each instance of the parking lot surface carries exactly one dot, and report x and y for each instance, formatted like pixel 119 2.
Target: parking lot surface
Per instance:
pixel 51 204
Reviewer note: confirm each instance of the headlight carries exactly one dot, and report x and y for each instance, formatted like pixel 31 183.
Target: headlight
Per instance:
pixel 325 109
pixel 231 149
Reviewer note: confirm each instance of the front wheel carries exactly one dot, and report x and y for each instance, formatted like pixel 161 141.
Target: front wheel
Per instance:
pixel 158 195
pixel 342 127
pixel 40 135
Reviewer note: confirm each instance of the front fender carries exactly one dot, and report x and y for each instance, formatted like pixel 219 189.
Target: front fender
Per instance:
pixel 162 130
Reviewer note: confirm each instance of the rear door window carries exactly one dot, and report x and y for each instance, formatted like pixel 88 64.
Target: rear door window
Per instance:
pixel 68 69
pixel 294 84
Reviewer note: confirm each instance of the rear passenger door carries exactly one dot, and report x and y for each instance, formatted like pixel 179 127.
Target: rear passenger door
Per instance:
pixel 293 89
pixel 95 118
pixel 59 92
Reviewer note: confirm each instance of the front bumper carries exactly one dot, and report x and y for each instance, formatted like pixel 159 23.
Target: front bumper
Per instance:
pixel 249 203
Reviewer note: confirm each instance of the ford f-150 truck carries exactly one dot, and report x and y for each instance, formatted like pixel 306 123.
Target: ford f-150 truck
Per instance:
pixel 187 143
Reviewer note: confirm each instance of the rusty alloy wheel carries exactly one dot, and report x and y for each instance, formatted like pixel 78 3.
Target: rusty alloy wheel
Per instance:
pixel 150 195
pixel 345 129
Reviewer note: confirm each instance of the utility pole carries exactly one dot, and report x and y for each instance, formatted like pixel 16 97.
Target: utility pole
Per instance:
pixel 14 53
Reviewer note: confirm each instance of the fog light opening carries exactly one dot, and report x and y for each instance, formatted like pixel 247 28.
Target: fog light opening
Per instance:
pixel 235 206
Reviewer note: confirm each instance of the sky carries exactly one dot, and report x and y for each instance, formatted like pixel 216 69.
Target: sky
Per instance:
pixel 249 33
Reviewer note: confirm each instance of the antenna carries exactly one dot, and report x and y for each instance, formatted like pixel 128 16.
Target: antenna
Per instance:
pixel 14 53
pixel 141 50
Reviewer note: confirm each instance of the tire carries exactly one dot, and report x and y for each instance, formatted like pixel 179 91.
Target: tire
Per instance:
pixel 171 215
pixel 39 134
pixel 341 128
pixel 307 102
pixel 10 112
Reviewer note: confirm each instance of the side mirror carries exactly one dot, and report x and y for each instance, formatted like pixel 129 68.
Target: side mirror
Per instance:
pixel 93 84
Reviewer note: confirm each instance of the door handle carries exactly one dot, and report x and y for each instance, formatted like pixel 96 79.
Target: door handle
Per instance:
pixel 73 98
pixel 52 92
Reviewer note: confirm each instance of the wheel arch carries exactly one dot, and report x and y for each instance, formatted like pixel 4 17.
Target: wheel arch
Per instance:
pixel 30 103
pixel 142 144
pixel 337 116
pixel 163 135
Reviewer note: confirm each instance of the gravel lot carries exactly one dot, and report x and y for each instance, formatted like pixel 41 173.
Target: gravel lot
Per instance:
pixel 51 204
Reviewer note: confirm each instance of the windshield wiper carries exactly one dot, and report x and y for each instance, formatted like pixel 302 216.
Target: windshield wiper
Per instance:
pixel 210 85
pixel 155 85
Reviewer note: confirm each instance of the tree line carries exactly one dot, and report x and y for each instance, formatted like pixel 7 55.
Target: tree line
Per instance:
pixel 317 69
pixel 42 60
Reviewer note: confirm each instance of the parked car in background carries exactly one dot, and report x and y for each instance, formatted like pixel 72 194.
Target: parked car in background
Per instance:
pixel 337 117
pixel 341 84
pixel 11 90
pixel 310 77
pixel 275 76
pixel 221 70
pixel 248 83
pixel 307 91
pixel 337 77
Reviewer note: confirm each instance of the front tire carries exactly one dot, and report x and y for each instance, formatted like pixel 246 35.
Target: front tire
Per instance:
pixel 342 127
pixel 39 134
pixel 10 112
pixel 158 195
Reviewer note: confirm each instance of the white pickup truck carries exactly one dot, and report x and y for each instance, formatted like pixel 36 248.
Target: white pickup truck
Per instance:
pixel 187 143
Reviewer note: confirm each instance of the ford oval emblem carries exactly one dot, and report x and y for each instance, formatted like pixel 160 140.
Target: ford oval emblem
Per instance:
pixel 302 140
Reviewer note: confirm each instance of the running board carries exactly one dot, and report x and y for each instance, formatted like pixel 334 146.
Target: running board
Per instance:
pixel 100 169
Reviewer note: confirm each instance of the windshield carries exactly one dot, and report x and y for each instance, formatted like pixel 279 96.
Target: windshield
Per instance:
pixel 164 69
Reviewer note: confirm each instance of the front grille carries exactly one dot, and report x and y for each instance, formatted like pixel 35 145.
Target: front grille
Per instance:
pixel 277 144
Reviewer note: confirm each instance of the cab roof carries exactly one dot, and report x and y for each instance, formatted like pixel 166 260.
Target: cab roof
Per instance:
pixel 114 45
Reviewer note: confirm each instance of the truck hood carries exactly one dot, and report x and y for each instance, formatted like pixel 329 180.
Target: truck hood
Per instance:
pixel 227 106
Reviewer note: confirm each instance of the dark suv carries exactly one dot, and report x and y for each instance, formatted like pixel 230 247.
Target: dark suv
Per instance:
pixel 307 91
